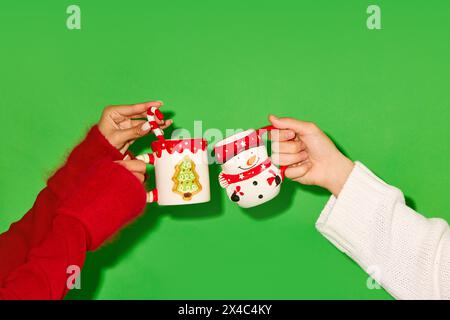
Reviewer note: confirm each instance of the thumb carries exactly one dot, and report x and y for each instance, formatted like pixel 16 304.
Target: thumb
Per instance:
pixel 300 127
pixel 125 135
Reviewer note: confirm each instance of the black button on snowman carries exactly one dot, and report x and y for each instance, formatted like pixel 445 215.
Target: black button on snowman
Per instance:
pixel 248 174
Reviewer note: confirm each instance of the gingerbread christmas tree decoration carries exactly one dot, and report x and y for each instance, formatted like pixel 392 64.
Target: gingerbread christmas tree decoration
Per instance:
pixel 186 179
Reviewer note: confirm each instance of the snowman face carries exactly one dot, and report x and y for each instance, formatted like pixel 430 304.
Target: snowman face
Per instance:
pixel 245 160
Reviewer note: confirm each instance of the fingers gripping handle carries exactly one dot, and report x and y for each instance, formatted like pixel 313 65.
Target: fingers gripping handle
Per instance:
pixel 263 130
pixel 149 158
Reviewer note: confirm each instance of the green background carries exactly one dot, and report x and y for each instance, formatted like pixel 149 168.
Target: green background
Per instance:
pixel 382 95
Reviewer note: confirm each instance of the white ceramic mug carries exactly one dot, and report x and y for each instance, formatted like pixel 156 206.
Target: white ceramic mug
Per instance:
pixel 181 171
pixel 248 174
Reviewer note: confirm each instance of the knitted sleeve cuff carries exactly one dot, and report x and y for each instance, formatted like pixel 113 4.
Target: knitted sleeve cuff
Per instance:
pixel 346 220
pixel 94 146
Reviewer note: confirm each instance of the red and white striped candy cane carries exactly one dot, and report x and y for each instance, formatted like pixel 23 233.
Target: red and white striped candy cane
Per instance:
pixel 152 114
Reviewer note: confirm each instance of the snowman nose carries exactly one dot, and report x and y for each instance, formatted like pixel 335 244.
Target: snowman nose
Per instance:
pixel 251 160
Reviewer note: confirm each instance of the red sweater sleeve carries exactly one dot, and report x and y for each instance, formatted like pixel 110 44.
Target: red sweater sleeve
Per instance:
pixel 107 197
pixel 31 230
pixel 44 274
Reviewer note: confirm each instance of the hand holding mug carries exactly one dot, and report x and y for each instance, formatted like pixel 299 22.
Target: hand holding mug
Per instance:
pixel 312 158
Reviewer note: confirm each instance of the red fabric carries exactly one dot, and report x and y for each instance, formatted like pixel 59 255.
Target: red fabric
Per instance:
pixel 30 231
pixel 44 274
pixel 55 233
pixel 110 196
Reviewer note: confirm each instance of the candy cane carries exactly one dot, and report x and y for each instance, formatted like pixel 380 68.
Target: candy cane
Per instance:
pixel 151 114
pixel 152 196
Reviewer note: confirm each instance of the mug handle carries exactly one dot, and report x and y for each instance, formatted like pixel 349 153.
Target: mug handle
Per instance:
pixel 149 158
pixel 263 130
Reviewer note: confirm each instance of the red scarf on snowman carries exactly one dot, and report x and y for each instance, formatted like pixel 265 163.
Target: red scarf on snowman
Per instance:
pixel 226 179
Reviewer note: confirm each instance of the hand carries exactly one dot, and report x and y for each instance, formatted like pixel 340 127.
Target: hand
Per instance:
pixel 121 125
pixel 311 157
pixel 136 167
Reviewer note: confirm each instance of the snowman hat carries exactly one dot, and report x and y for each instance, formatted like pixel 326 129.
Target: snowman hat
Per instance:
pixel 237 143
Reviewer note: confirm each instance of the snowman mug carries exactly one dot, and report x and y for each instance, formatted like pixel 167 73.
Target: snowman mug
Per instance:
pixel 181 171
pixel 248 174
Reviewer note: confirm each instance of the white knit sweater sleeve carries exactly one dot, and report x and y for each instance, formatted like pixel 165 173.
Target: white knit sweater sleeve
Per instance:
pixel 408 254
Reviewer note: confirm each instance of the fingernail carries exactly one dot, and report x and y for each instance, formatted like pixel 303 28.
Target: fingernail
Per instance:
pixel 160 102
pixel 145 126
